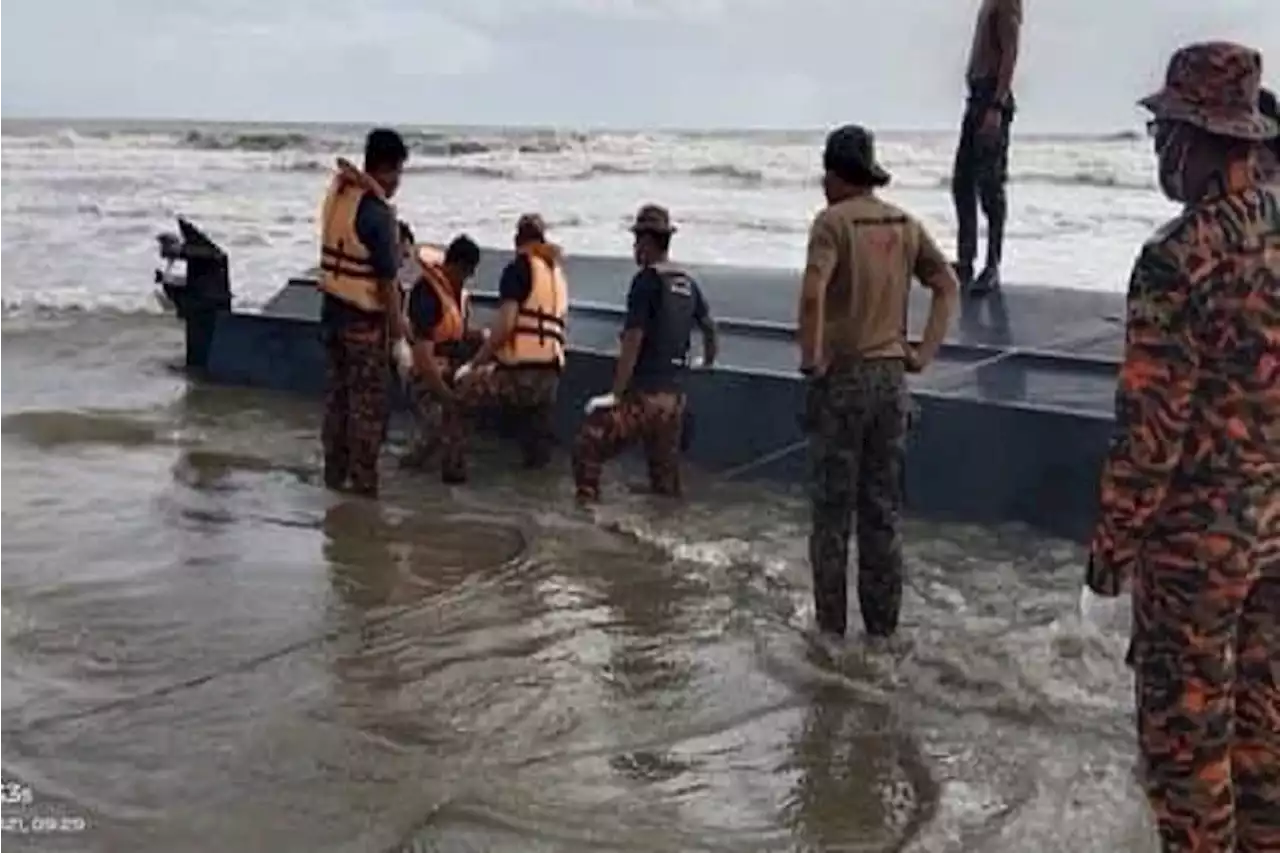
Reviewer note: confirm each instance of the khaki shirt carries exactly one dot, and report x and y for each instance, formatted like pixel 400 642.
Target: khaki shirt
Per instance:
pixel 868 251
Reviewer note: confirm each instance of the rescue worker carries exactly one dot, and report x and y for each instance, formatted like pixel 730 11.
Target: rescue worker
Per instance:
pixel 863 253
pixel 438 314
pixel 647 401
pixel 518 367
pixel 982 154
pixel 361 313
pixel 1190 491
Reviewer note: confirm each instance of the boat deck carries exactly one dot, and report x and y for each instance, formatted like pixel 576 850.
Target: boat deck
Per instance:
pixel 1045 348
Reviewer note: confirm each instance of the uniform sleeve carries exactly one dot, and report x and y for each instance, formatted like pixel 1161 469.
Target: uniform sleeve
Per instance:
pixel 1153 406
pixel 823 252
pixel 517 281
pixel 701 308
pixel 424 312
pixel 929 258
pixel 640 299
pixel 378 230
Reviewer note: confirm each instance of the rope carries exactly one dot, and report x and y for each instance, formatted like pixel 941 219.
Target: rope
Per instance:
pixel 796 446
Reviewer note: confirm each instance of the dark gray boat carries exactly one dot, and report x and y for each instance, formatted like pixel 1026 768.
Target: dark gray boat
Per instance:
pixel 1014 416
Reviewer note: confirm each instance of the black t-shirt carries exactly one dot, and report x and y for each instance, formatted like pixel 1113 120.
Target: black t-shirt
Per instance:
pixel 378 230
pixel 424 310
pixel 654 370
pixel 516 282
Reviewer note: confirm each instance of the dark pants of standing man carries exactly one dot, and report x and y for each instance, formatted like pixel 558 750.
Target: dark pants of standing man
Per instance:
pixel 855 417
pixel 1206 654
pixel 356 400
pixel 978 177
pixel 656 418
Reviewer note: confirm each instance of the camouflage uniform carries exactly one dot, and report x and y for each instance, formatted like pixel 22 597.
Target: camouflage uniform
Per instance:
pixel 856 419
pixel 356 404
pixel 1190 493
pixel 528 392
pixel 656 418
pixel 433 424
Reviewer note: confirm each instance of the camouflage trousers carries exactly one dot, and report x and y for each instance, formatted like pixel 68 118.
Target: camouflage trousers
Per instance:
pixel 856 420
pixel 438 428
pixel 355 408
pixel 656 418
pixel 1206 655
pixel 527 393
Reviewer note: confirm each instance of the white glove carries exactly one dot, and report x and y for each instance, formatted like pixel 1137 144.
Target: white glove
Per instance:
pixel 604 401
pixel 697 363
pixel 463 372
pixel 403 355
pixel 1098 612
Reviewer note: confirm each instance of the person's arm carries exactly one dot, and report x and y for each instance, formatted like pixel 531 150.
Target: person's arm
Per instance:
pixel 1153 407
pixel 377 228
pixel 822 257
pixel 1009 33
pixel 934 271
pixel 640 304
pixel 702 317
pixel 424 316
pixel 513 289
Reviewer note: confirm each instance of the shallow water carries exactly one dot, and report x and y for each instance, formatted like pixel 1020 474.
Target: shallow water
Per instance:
pixel 204 650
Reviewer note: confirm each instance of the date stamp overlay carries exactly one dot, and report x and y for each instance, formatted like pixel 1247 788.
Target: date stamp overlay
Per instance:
pixel 21 814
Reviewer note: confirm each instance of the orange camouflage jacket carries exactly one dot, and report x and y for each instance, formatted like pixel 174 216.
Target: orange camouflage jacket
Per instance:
pixel 1198 400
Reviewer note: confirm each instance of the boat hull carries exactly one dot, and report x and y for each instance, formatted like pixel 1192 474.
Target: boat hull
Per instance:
pixel 1014 418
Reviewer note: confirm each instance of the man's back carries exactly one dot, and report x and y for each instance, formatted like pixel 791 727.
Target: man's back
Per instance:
pixel 986 51
pixel 877 250
pixel 1227 252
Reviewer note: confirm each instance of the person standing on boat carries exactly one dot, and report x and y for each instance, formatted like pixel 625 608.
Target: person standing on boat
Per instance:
pixel 982 154
pixel 361 313
pixel 518 367
pixel 862 256
pixel 438 316
pixel 647 401
pixel 1190 491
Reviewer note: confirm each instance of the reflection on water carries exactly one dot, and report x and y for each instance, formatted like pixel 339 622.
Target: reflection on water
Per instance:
pixel 206 651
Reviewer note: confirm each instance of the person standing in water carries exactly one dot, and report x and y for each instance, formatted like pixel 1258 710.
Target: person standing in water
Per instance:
pixel 863 254
pixel 518 367
pixel 647 401
pixel 982 154
pixel 439 320
pixel 1190 491
pixel 359 262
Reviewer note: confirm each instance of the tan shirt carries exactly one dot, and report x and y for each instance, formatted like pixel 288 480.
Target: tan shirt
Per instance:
pixel 986 51
pixel 868 251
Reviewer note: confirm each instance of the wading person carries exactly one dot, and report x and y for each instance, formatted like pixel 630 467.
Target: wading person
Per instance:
pixel 517 369
pixel 647 402
pixel 863 255
pixel 982 154
pixel 1190 492
pixel 359 262
pixel 441 341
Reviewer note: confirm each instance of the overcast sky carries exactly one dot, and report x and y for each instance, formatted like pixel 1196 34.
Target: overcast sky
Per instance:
pixel 622 63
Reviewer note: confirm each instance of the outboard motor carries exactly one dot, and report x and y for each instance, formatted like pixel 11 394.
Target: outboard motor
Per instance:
pixel 199 295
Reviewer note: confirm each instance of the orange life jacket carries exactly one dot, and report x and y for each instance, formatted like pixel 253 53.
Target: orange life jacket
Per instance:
pixel 539 334
pixel 346 272
pixel 452 325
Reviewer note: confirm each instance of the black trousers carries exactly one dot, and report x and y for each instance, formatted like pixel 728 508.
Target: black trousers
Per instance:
pixel 979 175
